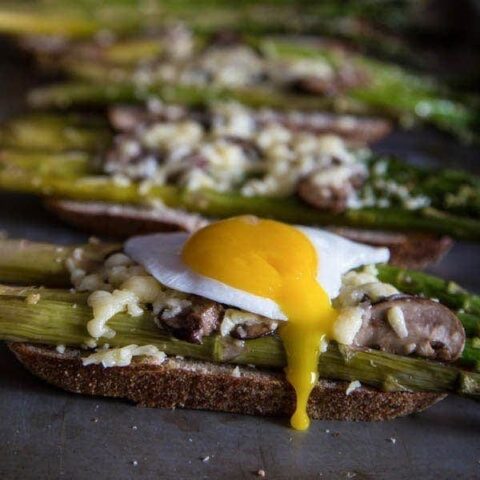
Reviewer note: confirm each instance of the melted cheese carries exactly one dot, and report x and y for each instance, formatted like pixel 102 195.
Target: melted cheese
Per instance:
pixel 278 262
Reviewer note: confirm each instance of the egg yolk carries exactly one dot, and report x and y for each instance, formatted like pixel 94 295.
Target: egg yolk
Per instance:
pixel 276 261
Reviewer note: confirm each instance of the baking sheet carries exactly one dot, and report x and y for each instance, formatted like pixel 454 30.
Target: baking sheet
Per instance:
pixel 46 433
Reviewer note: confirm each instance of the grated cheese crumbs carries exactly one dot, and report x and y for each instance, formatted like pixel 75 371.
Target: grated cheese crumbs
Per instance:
pixel 105 305
pixel 90 343
pixel 121 180
pixel 352 386
pixel 145 287
pixel 60 348
pixel 351 295
pixel 270 162
pixel 347 325
pixel 236 372
pixel 396 319
pixel 170 303
pixel 33 298
pixel 323 344
pixel 122 357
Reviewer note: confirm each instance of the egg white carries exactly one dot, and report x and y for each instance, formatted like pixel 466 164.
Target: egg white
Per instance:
pixel 160 255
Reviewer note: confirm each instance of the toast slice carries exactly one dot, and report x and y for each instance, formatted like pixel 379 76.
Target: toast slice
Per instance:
pixel 410 250
pixel 182 383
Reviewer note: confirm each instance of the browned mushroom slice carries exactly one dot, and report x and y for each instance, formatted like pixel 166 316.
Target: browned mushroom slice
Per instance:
pixel 331 188
pixel 355 130
pixel 347 77
pixel 248 331
pixel 316 85
pixel 244 325
pixel 127 118
pixel 403 324
pixel 194 322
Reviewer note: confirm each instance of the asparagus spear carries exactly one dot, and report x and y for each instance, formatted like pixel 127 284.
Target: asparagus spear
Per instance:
pixel 58 322
pixel 217 204
pixel 390 90
pixel 454 195
pixel 85 18
pixel 24 262
pixel 64 164
pixel 25 23
pixel 349 20
pixel 102 93
pixel 55 132
pixel 18 265
pixel 471 354
pixel 452 191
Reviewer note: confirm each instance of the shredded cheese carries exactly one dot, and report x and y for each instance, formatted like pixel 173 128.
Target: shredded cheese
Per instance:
pixel 122 357
pixel 105 305
pixel 347 324
pixel 33 298
pixel 352 386
pixel 396 319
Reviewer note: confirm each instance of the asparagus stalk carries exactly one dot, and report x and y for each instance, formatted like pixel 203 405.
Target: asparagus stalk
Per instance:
pixel 31 263
pixel 64 164
pixel 217 204
pixel 55 132
pixel 26 263
pixel 452 191
pixel 104 92
pixel 59 322
pixel 25 23
pixel 471 354
pixel 356 22
pixel 85 18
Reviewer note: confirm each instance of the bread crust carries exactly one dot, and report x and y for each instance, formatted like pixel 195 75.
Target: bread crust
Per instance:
pixel 181 383
pixel 412 250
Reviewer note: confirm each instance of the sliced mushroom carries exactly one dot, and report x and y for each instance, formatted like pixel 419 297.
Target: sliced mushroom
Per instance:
pixel 355 130
pixel 404 325
pixel 127 118
pixel 247 331
pixel 245 325
pixel 316 85
pixel 331 188
pixel 346 78
pixel 194 322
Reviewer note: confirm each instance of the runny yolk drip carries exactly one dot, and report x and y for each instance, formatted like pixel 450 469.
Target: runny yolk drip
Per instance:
pixel 276 261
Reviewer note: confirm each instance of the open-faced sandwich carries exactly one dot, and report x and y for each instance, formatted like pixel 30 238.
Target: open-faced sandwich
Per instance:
pixel 164 167
pixel 245 315
pixel 274 72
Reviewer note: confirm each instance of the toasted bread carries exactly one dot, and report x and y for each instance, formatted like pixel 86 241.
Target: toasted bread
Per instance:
pixel 182 383
pixel 412 250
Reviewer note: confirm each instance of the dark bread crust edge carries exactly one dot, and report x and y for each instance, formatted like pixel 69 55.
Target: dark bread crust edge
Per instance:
pixel 180 383
pixel 409 250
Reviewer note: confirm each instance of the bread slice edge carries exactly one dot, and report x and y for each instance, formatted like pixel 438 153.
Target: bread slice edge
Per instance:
pixel 409 250
pixel 183 383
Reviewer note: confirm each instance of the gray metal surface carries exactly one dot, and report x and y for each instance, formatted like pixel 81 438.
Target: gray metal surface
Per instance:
pixel 46 433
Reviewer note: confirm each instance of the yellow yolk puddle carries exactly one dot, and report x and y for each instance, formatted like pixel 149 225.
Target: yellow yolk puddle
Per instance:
pixel 276 261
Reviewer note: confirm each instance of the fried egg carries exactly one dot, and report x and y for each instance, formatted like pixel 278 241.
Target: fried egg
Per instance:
pixel 280 271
